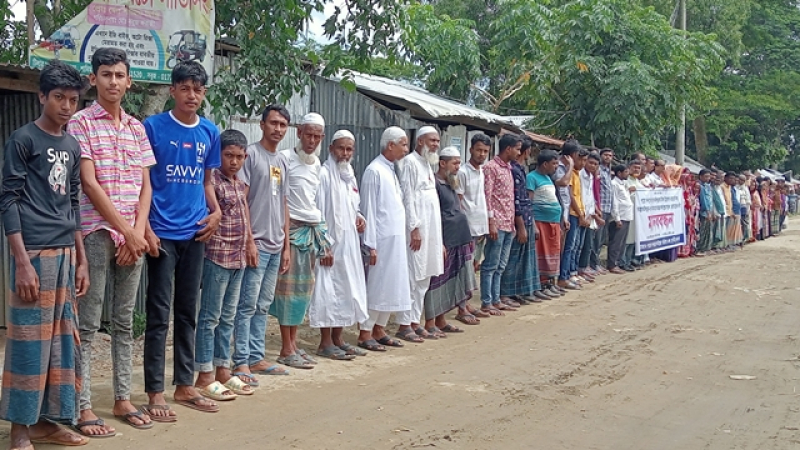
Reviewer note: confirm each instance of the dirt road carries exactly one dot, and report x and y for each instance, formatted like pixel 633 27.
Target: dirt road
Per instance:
pixel 640 361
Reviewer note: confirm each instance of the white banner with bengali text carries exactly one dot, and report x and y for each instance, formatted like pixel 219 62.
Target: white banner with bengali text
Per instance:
pixel 660 220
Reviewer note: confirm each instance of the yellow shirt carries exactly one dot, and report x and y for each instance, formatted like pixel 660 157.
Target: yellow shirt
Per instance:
pixel 577 199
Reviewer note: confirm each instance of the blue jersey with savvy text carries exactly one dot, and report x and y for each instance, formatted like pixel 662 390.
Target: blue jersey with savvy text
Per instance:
pixel 183 154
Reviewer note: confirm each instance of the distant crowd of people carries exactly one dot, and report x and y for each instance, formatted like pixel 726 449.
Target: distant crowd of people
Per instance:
pixel 234 231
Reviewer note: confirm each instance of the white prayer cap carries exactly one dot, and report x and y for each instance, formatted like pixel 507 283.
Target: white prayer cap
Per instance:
pixel 449 152
pixel 426 130
pixel 341 134
pixel 313 119
pixel 391 134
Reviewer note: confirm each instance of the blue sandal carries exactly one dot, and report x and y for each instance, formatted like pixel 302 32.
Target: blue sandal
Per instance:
pixel 251 380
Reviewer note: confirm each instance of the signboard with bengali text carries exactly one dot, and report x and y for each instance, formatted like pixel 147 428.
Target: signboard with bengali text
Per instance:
pixel 156 34
pixel 660 220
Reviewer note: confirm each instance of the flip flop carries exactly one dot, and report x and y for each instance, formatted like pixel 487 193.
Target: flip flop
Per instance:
pixel 372 345
pixel 389 342
pixel 479 314
pixel 57 437
pixel 271 370
pixel 352 350
pixel 296 361
pixel 504 307
pixel 302 353
pixel 436 332
pixel 335 353
pixel 147 409
pixel 425 334
pixel 467 319
pixel 218 392
pixel 193 403
pixel 252 381
pixel 410 336
pixel 492 311
pixel 77 428
pixel 237 386
pixel 451 329
pixel 126 419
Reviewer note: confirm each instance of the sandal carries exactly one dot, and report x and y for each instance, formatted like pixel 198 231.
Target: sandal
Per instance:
pixel 409 335
pixel 59 437
pixel 239 387
pixel 251 381
pixel 467 319
pixel 216 391
pixel 302 353
pixel 451 329
pixel 148 409
pixel 296 361
pixel 77 428
pixel 335 353
pixel 126 419
pixel 271 370
pixel 352 350
pixel 436 333
pixel 195 404
pixel 504 307
pixel 389 342
pixel 479 314
pixel 424 334
pixel 372 345
pixel 492 311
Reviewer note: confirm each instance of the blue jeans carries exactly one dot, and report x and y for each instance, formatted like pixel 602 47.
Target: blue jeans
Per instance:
pixel 569 255
pixel 218 301
pixel 580 240
pixel 495 258
pixel 250 329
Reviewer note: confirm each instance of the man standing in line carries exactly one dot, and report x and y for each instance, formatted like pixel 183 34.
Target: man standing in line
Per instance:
pixel 340 292
pixel 746 202
pixel 184 215
pixel 499 188
pixel 264 172
pixel 473 202
pixel 568 279
pixel 424 225
pixel 707 215
pixel 562 178
pixel 588 176
pixel 115 175
pixel 40 207
pixel 388 287
pixel 547 216
pixel 605 206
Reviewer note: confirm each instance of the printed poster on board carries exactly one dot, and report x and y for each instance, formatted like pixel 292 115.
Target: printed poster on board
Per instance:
pixel 156 34
pixel 659 220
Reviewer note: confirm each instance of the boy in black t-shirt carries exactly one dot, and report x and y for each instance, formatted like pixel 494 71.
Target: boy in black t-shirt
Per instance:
pixel 40 209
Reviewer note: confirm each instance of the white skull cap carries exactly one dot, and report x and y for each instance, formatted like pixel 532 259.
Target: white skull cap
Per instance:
pixel 449 152
pixel 427 129
pixel 313 119
pixel 343 134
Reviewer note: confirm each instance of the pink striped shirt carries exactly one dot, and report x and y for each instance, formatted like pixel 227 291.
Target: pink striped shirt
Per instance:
pixel 119 157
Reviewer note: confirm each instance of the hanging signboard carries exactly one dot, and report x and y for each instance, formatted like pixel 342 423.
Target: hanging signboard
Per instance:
pixel 660 220
pixel 156 34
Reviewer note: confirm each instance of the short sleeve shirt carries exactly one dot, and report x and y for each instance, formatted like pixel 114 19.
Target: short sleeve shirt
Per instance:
pixel 546 207
pixel 563 191
pixel 266 173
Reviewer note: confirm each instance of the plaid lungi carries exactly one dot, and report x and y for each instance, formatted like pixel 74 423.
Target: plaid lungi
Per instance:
pixel 705 239
pixel 455 285
pixel 548 248
pixel 294 289
pixel 41 375
pixel 521 276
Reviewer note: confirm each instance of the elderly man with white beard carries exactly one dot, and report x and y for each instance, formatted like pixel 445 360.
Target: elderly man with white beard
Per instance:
pixel 385 238
pixel 424 225
pixel 340 292
pixel 454 287
pixel 308 240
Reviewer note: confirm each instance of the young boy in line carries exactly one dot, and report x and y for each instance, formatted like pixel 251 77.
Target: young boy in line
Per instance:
pixel 183 217
pixel 40 207
pixel 115 176
pixel 223 270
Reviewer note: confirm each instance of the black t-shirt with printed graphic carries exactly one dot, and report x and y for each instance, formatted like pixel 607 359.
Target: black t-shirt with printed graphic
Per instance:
pixel 40 194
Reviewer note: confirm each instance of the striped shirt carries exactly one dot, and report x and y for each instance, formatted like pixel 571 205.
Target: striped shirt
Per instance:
pixel 119 158
pixel 227 246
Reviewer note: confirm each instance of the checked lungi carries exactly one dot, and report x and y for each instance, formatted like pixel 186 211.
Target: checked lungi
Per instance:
pixel 294 289
pixel 41 375
pixel 455 285
pixel 548 249
pixel 521 276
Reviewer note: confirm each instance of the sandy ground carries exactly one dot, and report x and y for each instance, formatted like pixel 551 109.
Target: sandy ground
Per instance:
pixel 640 361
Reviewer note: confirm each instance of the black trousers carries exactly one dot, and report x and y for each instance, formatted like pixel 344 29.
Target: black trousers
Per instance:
pixel 182 260
pixel 616 242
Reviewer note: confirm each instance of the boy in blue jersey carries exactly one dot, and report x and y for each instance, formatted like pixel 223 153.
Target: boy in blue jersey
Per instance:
pixel 183 216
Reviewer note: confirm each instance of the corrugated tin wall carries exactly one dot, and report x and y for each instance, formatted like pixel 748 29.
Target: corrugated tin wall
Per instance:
pixel 16 109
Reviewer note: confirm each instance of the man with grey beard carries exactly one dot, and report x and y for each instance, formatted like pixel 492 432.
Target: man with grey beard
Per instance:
pixel 454 287
pixel 423 223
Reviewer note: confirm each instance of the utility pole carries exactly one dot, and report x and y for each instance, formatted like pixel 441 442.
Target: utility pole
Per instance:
pixel 680 138
pixel 30 20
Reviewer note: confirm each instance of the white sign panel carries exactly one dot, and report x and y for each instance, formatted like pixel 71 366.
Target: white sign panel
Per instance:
pixel 660 220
